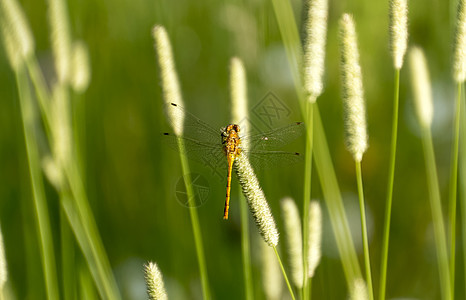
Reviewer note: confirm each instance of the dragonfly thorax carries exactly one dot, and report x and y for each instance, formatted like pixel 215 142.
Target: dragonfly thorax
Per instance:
pixel 231 140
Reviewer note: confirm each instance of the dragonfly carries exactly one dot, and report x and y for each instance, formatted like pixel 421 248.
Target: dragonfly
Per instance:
pixel 203 143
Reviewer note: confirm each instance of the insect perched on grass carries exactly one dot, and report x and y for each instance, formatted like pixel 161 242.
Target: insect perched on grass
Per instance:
pixel 203 143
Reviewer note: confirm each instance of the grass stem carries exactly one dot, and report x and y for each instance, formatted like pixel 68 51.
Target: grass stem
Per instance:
pixel 307 191
pixel 284 273
pixel 453 189
pixel 391 176
pixel 245 248
pixel 364 231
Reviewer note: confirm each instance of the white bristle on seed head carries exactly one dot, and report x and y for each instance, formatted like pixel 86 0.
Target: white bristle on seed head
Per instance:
pixel 315 238
pixel 422 91
pixel 16 24
pixel 314 47
pixel 459 56
pixel 398 30
pixel 293 238
pixel 257 202
pixel 154 282
pixel 353 95
pixel 170 84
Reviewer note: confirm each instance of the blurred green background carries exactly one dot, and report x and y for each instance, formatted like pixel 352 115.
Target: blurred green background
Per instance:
pixel 131 175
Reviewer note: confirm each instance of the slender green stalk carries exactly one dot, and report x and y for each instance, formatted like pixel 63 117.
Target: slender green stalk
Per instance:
pixel 40 204
pixel 324 166
pixel 437 217
pixel 245 248
pixel 365 241
pixel 284 273
pixel 453 190
pixel 195 224
pixel 463 180
pixel 391 176
pixel 307 191
pixel 68 259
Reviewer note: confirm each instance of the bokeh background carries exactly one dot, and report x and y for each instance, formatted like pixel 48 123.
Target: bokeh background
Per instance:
pixel 131 175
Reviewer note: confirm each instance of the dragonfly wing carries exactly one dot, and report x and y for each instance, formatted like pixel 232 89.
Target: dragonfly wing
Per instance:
pixel 275 138
pixel 208 154
pixel 189 125
pixel 266 159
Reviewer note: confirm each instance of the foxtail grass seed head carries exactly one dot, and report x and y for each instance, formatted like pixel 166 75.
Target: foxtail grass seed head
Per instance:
pixel 61 129
pixel 359 290
pixel 53 172
pixel 294 243
pixel 272 281
pixel 16 24
pixel 81 71
pixel 239 97
pixel 11 47
pixel 258 205
pixel 170 84
pixel 398 31
pixel 61 38
pixel 3 265
pixel 422 91
pixel 314 47
pixel 154 282
pixel 459 64
pixel 353 95
pixel 315 237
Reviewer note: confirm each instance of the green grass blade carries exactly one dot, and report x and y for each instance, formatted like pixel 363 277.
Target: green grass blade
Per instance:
pixel 40 204
pixel 437 217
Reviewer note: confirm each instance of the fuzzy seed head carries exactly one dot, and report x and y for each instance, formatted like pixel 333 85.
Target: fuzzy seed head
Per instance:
pixel 80 72
pixel 294 243
pixel 15 22
pixel 61 38
pixel 3 265
pixel 398 30
pixel 11 48
pixel 314 47
pixel 239 97
pixel 420 80
pixel 154 282
pixel 170 84
pixel 353 95
pixel 255 196
pixel 459 65
pixel 61 130
pixel 359 290
pixel 315 237
pixel 53 172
